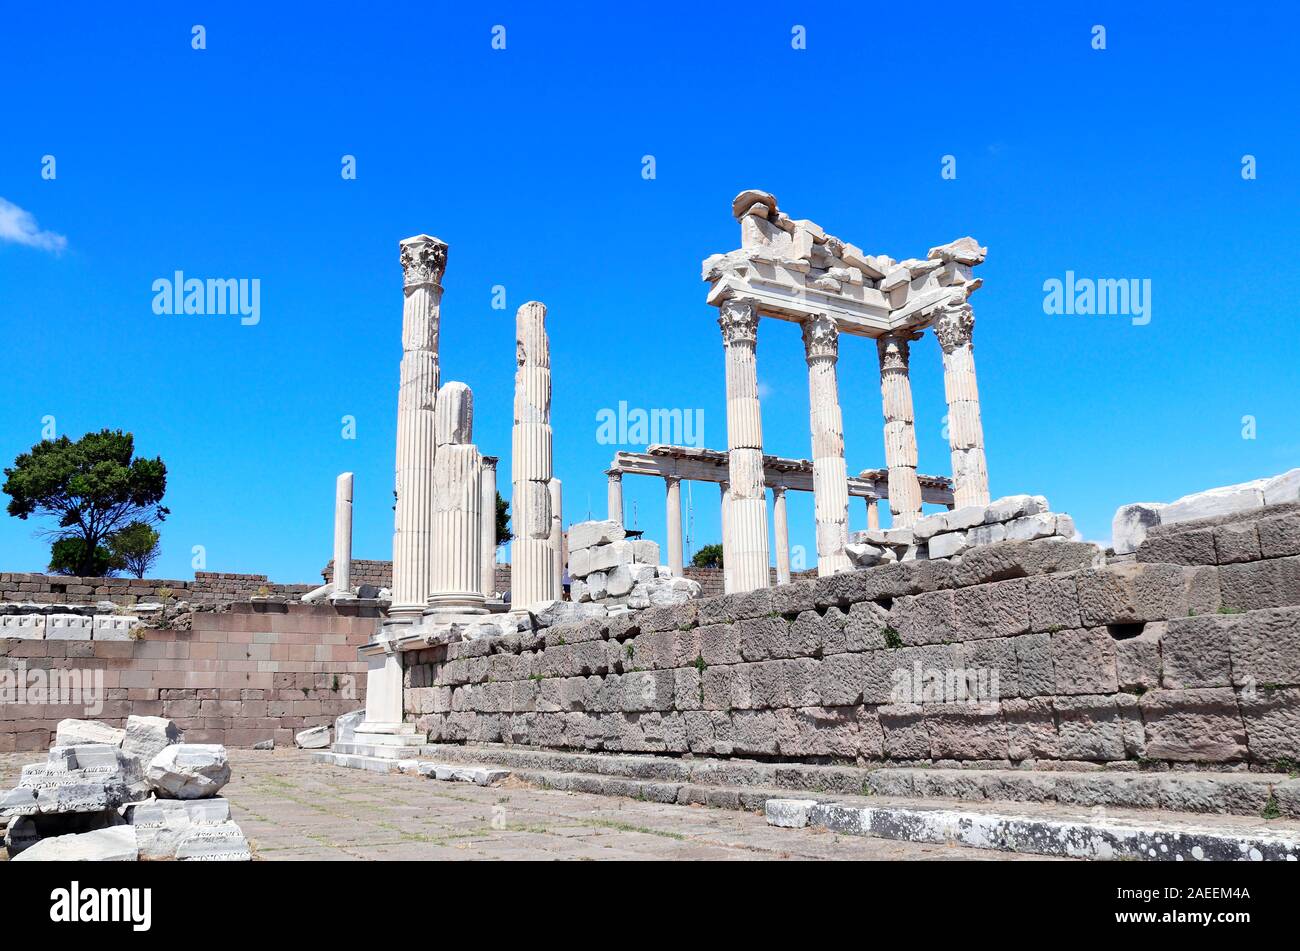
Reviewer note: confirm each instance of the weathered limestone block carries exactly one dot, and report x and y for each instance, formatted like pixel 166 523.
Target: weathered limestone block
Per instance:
pixel 1024 559
pixel 1129 593
pixel 1273 583
pixel 1272 718
pixel 1264 646
pixel 1194 546
pixel 998 609
pixel 25 831
pixel 213 842
pixel 80 732
pixel 1031 729
pixel 30 627
pixel 966 730
pixel 1224 500
pixel 313 738
pixel 75 779
pixel 589 534
pixel 928 618
pixel 822 731
pixel 948 544
pixel 1193 725
pixel 1011 507
pixel 1053 603
pixel 1137 659
pixel 1084 662
pixel 1279 535
pixel 162 824
pixel 1195 653
pixel 189 771
pixel 1131 523
pixel 1036 677
pixel 146 737
pixel 756 733
pixel 114 844
pixel 904 733
pixel 1096 727
pixel 1239 542
pixel 788 813
pixel 993 671
pixel 764 638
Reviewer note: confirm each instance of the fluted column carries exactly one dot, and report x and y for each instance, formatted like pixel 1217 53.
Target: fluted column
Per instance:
pixel 970 477
pixel 458 507
pixel 724 504
pixel 556 489
pixel 488 542
pixel 747 519
pixel 533 556
pixel 900 432
pixel 873 513
pixel 821 341
pixel 424 259
pixel 781 525
pixel 676 558
pixel 615 496
pixel 342 538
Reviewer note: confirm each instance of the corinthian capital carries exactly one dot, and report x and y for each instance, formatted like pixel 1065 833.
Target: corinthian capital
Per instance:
pixel 424 258
pixel 895 350
pixel 821 338
pixel 738 318
pixel 954 326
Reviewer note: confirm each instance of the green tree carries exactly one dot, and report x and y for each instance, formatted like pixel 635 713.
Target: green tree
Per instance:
pixel 94 488
pixel 135 548
pixel 68 557
pixel 710 556
pixel 503 521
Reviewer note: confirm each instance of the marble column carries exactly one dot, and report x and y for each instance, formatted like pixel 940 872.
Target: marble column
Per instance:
pixel 615 496
pixel 821 341
pixel 724 502
pixel 970 477
pixel 342 539
pixel 424 260
pixel 488 543
pixel 900 431
pixel 676 557
pixel 873 514
pixel 781 525
pixel 458 507
pixel 532 554
pixel 747 519
pixel 556 489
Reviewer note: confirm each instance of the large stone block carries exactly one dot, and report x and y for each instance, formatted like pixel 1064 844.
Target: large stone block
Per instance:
pixel 1264 646
pixel 1133 592
pixel 1083 662
pixel 841 678
pixel 1131 523
pixel 820 731
pixel 1053 603
pixel 1036 676
pixel 720 644
pixel 1031 729
pixel 189 771
pixel 162 824
pixel 1014 559
pixel 997 609
pixel 80 732
pixel 764 638
pixel 1273 583
pixel 589 534
pixel 1237 542
pixel 1279 535
pixel 903 730
pixel 992 669
pixel 1194 653
pixel 928 618
pixel 1137 659
pixel 114 844
pixel 1193 725
pixel 1091 727
pixel 966 730
pixel 1272 719
pixel 1194 546
pixel 146 737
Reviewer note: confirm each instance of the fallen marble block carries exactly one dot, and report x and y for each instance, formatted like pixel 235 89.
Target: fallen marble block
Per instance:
pixel 454 773
pixel 25 831
pixel 87 778
pixel 788 813
pixel 264 745
pixel 189 771
pixel 161 825
pixel 345 726
pixel 214 842
pixel 81 732
pixel 146 737
pixel 313 738
pixel 115 844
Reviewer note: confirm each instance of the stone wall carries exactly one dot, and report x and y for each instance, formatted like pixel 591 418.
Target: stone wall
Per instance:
pixel 1061 659
pixel 256 672
pixel 209 588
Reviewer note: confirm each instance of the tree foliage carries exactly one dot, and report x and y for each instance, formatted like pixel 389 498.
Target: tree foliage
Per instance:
pixel 93 488
pixel 710 556
pixel 134 548
pixel 503 521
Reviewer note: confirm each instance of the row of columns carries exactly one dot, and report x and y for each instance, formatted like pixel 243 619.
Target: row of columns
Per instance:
pixel 745 548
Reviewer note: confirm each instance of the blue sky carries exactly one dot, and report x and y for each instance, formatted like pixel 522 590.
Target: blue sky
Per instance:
pixel 225 162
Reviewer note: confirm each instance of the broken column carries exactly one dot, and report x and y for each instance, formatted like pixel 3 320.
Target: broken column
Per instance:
pixel 533 556
pixel 900 432
pixel 488 543
pixel 970 478
pixel 821 340
pixel 781 525
pixel 424 259
pixel 747 552
pixel 676 558
pixel 458 507
pixel 615 496
pixel 342 580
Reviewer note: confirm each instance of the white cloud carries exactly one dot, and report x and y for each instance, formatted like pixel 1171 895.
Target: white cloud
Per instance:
pixel 20 227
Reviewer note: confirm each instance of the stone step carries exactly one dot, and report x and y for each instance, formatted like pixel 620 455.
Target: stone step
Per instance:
pixel 1230 793
pixel 1050 829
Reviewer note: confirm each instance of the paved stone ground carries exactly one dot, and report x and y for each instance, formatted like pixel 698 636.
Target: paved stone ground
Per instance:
pixel 292 809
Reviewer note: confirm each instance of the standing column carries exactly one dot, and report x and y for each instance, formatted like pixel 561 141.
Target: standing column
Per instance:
pixel 747 520
pixel 781 525
pixel 873 514
pixel 724 502
pixel 900 432
pixel 556 490
pixel 343 539
pixel 615 496
pixel 458 507
pixel 488 542
pixel 532 555
pixel 676 559
pixel 423 261
pixel 821 341
pixel 970 476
